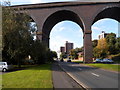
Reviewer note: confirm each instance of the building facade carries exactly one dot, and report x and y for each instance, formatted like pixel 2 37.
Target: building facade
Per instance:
pixel 68 47
pixel 62 49
pixel 103 35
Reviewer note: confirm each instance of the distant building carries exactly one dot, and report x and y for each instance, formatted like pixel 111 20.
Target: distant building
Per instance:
pixel 62 49
pixel 68 47
pixel 103 35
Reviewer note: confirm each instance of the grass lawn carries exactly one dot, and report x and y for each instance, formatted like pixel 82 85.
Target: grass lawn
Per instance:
pixel 106 66
pixel 77 61
pixel 34 77
pixel 111 67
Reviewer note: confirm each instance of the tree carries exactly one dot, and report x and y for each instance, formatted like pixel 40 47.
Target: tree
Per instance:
pixel 78 49
pixel 74 54
pixel 18 42
pixel 39 52
pixel 101 50
pixel 16 37
pixel 63 55
pixel 117 45
pixel 33 28
pixel 95 50
pixel 94 43
pixel 51 55
pixel 54 54
pixel 111 41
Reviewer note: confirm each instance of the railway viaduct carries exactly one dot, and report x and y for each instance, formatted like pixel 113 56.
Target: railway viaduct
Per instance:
pixel 85 14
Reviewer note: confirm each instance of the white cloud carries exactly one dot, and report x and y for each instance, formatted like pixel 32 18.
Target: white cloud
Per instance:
pixel 57 42
pixel 61 29
pixel 96 28
pixel 58 29
pixel 95 32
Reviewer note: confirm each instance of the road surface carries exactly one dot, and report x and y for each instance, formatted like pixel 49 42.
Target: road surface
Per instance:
pixel 91 77
pixel 62 80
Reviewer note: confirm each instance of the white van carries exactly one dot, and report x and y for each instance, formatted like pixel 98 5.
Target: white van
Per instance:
pixel 4 66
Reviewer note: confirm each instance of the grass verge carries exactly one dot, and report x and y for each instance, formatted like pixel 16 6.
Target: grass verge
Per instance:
pixel 77 61
pixel 111 67
pixel 34 77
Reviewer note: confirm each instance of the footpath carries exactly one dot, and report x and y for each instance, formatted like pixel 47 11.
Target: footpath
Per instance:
pixel 62 80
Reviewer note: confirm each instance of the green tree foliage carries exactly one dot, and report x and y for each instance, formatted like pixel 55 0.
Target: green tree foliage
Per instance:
pixel 78 49
pixel 54 54
pixel 111 41
pixel 117 45
pixel 16 38
pixel 51 55
pixel 63 55
pixel 33 28
pixel 39 52
pixel 94 43
pixel 74 54
pixel 108 47
pixel 101 50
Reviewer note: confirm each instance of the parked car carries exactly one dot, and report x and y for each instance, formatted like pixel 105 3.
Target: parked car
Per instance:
pixel 108 60
pixel 98 60
pixel 4 66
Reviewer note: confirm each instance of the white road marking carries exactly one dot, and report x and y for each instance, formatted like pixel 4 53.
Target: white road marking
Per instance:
pixel 95 74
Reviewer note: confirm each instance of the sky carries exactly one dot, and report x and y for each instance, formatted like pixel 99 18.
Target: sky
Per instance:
pixel 70 31
pixel 18 2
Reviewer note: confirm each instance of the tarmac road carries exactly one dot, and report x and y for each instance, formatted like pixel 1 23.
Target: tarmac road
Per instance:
pixel 62 80
pixel 90 77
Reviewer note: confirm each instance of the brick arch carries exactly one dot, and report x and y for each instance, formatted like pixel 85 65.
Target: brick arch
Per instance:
pixel 83 13
pixel 108 12
pixel 57 17
pixel 24 12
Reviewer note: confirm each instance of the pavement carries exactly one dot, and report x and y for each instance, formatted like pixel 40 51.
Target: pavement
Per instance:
pixel 90 77
pixel 62 80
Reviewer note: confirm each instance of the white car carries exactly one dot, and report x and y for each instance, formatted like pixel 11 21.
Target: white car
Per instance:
pixel 98 60
pixel 4 66
pixel 107 60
